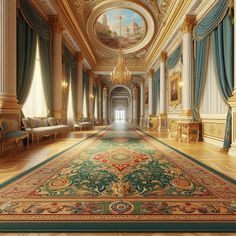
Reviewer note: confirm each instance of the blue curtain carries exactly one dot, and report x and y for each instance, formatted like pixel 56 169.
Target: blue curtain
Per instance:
pixel 71 77
pixel 222 42
pixel 43 30
pixel 174 58
pixel 211 20
pixel 26 52
pixel 45 58
pixel 155 91
pixel 74 83
pixel 200 68
pixel 34 20
pixel 217 25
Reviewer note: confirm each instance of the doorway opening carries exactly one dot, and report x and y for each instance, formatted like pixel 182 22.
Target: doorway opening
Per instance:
pixel 119 114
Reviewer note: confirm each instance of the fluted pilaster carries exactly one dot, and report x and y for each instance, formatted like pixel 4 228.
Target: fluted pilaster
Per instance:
pixel 187 90
pixel 135 105
pixel 8 101
pixel 79 59
pixel 163 116
pixel 105 115
pixel 150 78
pixel 57 76
pixel 91 95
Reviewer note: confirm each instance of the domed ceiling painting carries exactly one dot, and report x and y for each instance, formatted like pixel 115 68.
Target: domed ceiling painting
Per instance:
pixel 123 28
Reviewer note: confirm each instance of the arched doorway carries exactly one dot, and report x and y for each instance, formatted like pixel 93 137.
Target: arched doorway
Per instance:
pixel 120 104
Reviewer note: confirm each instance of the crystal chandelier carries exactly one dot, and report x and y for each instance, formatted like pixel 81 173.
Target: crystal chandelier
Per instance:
pixel 120 73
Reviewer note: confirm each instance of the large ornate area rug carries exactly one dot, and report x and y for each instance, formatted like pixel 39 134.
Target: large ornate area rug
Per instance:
pixel 121 179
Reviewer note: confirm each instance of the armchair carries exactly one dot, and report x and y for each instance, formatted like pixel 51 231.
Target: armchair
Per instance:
pixel 11 132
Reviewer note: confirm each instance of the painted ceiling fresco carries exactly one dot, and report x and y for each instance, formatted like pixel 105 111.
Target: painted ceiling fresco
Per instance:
pixel 120 28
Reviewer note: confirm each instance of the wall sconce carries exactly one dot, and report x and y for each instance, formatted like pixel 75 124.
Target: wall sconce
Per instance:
pixel 64 84
pixel 180 84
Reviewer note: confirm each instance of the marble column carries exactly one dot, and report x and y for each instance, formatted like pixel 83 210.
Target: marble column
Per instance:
pixel 142 115
pixel 91 96
pixel 8 100
pixel 163 116
pixel 105 95
pixel 57 73
pixel 135 105
pixel 232 100
pixel 187 79
pixel 100 101
pixel 79 58
pixel 150 78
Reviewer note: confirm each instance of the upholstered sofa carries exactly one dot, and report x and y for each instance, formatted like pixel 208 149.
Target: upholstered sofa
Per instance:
pixel 83 124
pixel 11 132
pixel 40 127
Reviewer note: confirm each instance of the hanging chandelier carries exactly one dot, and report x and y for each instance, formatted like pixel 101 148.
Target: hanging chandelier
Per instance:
pixel 120 73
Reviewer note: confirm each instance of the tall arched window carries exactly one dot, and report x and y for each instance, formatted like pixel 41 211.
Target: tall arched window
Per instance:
pixel 85 109
pixel 35 104
pixel 70 105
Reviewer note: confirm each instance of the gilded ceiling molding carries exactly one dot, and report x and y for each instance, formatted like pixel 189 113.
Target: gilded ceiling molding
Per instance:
pixel 176 15
pixel 73 26
pixel 110 4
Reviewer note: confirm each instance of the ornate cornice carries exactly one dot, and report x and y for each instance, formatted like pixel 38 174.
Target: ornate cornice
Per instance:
pixel 71 23
pixel 177 12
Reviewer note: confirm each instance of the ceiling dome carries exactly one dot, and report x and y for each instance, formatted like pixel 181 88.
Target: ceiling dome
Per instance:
pixel 103 27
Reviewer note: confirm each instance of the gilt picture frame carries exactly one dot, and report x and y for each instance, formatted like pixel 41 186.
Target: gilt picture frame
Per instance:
pixel 175 89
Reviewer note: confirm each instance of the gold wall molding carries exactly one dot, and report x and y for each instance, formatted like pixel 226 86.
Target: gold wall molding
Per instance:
pixel 187 112
pixel 213 129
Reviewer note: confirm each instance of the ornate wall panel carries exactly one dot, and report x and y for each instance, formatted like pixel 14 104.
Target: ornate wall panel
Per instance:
pixel 213 109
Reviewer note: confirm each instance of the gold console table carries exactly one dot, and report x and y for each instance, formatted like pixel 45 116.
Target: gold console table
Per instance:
pixel 188 130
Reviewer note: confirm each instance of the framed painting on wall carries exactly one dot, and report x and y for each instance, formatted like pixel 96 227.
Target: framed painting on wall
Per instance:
pixel 175 89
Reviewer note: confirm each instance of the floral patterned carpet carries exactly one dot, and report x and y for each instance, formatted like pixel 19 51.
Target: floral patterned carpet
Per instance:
pixel 120 175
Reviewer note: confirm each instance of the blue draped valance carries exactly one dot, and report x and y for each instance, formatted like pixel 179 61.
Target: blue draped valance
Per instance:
pixel 36 22
pixel 68 57
pixel 211 20
pixel 174 58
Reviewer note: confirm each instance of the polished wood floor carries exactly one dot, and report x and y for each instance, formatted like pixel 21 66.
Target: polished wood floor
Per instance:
pixel 13 164
pixel 209 154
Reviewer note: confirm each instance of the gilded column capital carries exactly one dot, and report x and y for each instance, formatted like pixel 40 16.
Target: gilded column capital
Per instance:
pixel 141 82
pixel 188 24
pixel 151 73
pixel 163 56
pixel 79 56
pixel 56 24
pixel 91 74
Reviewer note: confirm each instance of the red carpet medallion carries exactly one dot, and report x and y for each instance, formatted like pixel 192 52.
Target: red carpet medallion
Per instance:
pixel 120 179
